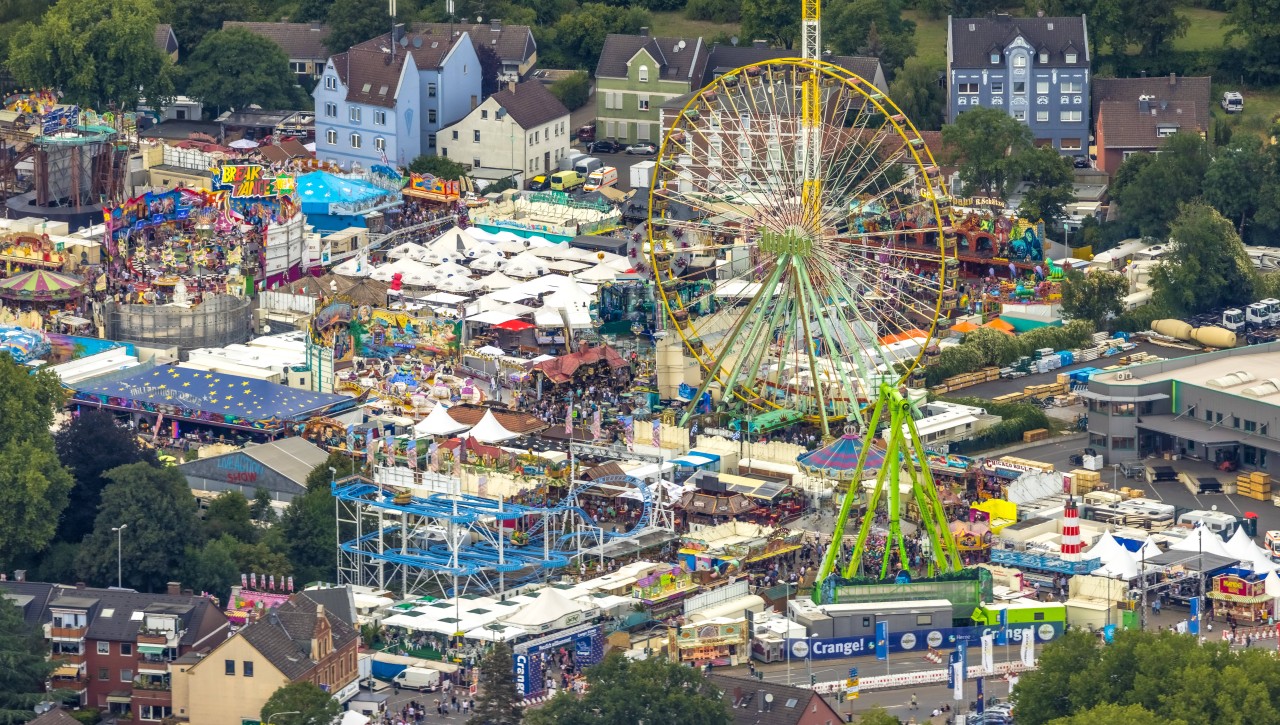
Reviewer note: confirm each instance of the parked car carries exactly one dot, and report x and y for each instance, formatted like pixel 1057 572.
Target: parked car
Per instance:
pixel 1081 162
pixel 587 133
pixel 539 183
pixel 604 146
pixel 644 148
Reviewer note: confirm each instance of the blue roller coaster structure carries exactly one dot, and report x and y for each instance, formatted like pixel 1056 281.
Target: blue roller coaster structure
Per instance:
pixel 449 543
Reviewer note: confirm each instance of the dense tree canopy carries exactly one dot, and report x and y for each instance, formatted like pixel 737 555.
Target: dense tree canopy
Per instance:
pixel 573 91
pixel 34 485
pixel 355 21
pixel 870 27
pixel 1149 195
pixel 89 446
pixel 1206 266
pixel 234 68
pixel 160 512
pixel 305 703
pixel 1095 296
pixel 917 91
pixel 579 36
pixel 777 21
pixel 497 700
pixel 985 144
pixel 26 666
pixel 99 53
pixel 308 530
pixel 193 20
pixel 1051 183
pixel 342 464
pixel 653 690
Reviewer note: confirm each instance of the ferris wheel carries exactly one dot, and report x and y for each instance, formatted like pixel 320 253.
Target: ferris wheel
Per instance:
pixel 797 241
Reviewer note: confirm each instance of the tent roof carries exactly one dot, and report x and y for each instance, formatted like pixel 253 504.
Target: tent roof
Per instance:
pixel 525 265
pixel 497 281
pixel 489 430
pixel 439 423
pixel 1201 539
pixel 550 605
pixel 964 326
pixel 840 457
pixel 1001 325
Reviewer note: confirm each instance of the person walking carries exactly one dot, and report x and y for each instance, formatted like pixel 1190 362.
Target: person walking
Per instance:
pixel 915 702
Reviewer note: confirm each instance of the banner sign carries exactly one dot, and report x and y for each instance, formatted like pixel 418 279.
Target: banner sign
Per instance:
pixel 919 640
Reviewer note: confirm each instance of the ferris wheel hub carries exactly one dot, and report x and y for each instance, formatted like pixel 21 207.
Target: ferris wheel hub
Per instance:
pixel 793 241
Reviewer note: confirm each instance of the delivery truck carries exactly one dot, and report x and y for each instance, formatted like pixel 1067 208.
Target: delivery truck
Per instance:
pixel 418 678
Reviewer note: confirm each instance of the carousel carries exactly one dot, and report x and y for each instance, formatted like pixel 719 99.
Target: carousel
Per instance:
pixel 41 287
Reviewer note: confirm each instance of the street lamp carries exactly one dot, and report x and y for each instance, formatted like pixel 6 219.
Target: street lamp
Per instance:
pixel 119 531
pixel 275 714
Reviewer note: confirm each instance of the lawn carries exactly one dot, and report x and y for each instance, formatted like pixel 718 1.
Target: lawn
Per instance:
pixel 931 38
pixel 1260 107
pixel 1206 31
pixel 675 25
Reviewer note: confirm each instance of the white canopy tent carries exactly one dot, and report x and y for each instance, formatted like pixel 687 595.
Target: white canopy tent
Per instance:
pixel 497 281
pixel 1202 539
pixel 525 265
pixel 356 266
pixel 411 250
pixel 548 609
pixel 599 273
pixel 491 262
pixel 439 423
pixel 458 284
pixel 489 430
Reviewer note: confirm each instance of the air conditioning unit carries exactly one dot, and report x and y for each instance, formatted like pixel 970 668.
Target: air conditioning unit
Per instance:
pixel 1124 375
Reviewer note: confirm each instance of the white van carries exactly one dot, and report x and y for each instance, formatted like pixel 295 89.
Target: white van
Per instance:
pixel 418 678
pixel 585 166
pixel 1232 102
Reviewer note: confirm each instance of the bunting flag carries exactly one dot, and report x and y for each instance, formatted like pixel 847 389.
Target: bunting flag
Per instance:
pixel 568 421
pixel 290 585
pixel 351 439
pixel 272 582
pixel 657 432
pixel 244 580
pixel 412 452
pixel 369 445
pixel 629 431
pixel 595 425
pixel 1029 647
pixel 253 580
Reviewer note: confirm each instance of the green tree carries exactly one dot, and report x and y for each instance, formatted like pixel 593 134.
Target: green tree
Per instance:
pixel 159 511
pixel 194 20
pixel 775 21
pixel 342 464
pixel 579 36
pixel 878 716
pixel 218 565
pixel 233 68
pixel 229 514
pixel 497 700
pixel 354 21
pixel 1148 198
pixel 437 166
pixel 99 53
pixel 1051 178
pixel 1050 691
pixel 1235 178
pixel 89 446
pixel 309 532
pixel 1109 712
pixel 917 91
pixel 871 27
pixel 573 91
pixel 1258 21
pixel 1120 26
pixel 996 347
pixel 652 690
pixel 310 705
pixel 1206 266
pixel 26 665
pixel 1093 296
pixel 984 143
pixel 261 508
pixel 34 485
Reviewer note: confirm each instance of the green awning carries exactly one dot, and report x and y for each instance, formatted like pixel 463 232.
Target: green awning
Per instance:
pixel 151 649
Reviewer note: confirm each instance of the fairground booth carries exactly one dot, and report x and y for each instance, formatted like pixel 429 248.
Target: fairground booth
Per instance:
pixel 173 402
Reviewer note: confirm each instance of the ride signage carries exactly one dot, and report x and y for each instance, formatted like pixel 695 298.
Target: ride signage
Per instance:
pixel 246 180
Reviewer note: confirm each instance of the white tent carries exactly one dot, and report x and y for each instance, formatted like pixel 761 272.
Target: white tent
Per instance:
pixel 1241 546
pixel 489 430
pixel 458 284
pixel 525 265
pixel 599 273
pixel 491 262
pixel 1202 539
pixel 356 266
pixel 492 351
pixel 569 297
pixel 243 143
pixel 1117 561
pixel 497 281
pixel 439 423
pixel 412 250
pixel 548 608
pixel 1272 584
pixel 622 264
pixel 351 717
pixel 1150 549
pixel 555 251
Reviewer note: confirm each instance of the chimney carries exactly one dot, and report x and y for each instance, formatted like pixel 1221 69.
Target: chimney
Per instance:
pixel 759 700
pixel 644 31
pixel 317 25
pixel 319 611
pixel 19 575
pixel 495 24
pixel 511 86
pixel 397 32
pixel 173 588
pixel 1173 79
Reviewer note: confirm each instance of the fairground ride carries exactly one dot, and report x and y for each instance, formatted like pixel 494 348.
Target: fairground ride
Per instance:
pixel 778 214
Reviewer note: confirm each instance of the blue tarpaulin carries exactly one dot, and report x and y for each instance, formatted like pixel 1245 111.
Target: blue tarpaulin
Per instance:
pixel 318 189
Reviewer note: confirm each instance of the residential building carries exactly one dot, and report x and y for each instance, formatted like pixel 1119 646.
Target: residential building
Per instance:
pixel 113 647
pixel 298 641
pixel 302 42
pixel 522 130
pixel 514 44
pixel 1133 115
pixel 636 74
pixel 756 702
pixel 389 97
pixel 1211 407
pixel 1036 69
pixel 725 58
pixel 166 41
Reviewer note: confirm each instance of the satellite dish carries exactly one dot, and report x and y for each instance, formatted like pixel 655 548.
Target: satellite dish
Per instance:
pixel 404 42
pixel 768 697
pixel 479 18
pixel 680 45
pixel 417 42
pixel 734 41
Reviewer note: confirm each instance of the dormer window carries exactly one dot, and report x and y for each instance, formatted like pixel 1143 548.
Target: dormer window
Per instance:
pixel 1044 57
pixel 1071 57
pixel 643 74
pixel 995 57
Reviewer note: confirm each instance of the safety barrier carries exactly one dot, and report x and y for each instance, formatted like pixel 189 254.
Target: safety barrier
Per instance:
pixel 934 656
pixel 918 677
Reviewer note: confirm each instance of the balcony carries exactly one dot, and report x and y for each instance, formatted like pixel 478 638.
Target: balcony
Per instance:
pixel 150 684
pixel 70 684
pixel 67 658
pixel 159 639
pixel 74 634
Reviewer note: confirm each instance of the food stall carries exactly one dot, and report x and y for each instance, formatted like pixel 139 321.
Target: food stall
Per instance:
pixel 1242 594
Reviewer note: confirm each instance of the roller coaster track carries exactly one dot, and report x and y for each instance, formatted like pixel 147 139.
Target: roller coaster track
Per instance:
pixel 474 558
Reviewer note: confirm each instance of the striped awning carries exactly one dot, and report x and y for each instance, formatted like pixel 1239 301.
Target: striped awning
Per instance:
pixel 67 671
pixel 151 649
pixel 1240 598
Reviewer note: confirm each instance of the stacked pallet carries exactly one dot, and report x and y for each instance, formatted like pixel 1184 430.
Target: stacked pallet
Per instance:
pixel 1138 358
pixel 1255 485
pixel 1086 481
pixel 1044 391
pixel 1034 435
pixel 964 380
pixel 1009 398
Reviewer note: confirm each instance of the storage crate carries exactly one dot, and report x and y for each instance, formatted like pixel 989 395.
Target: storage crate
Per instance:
pixel 1037 434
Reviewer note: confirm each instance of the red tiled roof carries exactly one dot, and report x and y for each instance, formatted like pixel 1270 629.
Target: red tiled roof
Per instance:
pixel 563 368
pixel 1126 126
pixel 473 447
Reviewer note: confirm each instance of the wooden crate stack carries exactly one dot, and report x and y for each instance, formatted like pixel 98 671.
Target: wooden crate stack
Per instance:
pixel 1038 434
pixel 1255 485
pixel 1086 480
